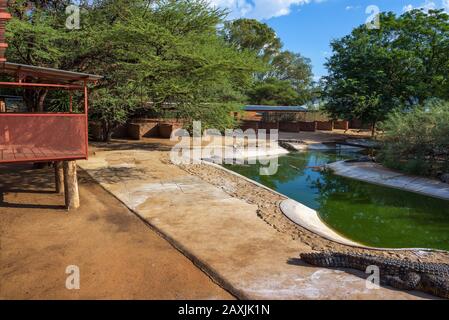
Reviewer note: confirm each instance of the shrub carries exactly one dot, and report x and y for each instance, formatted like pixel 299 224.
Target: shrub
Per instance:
pixel 417 141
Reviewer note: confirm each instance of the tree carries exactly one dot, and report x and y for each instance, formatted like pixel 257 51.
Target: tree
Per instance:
pixel 34 38
pixel 164 52
pixel 154 50
pixel 293 67
pixel 296 69
pixel 417 141
pixel 292 71
pixel 373 72
pixel 252 35
pixel 273 92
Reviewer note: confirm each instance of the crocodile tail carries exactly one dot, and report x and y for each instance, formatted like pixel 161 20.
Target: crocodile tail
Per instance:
pixel 338 260
pixel 323 259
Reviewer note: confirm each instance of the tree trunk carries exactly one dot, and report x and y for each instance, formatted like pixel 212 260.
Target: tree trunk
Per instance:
pixel 59 177
pixel 41 99
pixel 72 198
pixel 373 129
pixel 109 136
pixel 108 131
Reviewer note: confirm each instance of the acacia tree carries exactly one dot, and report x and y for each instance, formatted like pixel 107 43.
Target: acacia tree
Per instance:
pixel 163 52
pixel 252 35
pixel 373 72
pixel 287 76
pixel 34 37
pixel 171 54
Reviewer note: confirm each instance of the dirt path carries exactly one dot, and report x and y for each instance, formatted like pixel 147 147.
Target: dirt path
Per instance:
pixel 118 255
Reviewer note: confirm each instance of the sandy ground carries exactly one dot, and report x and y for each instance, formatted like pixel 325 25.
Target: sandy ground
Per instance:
pixel 119 256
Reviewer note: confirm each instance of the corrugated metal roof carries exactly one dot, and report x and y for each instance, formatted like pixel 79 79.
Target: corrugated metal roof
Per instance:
pixel 49 74
pixel 275 108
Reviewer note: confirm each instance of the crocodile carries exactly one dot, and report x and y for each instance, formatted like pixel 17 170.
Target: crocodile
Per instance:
pixel 432 278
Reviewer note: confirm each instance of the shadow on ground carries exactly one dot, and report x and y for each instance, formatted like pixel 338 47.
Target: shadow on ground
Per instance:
pixel 24 179
pixel 150 144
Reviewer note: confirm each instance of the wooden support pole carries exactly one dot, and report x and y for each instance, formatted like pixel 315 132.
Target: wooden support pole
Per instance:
pixel 59 177
pixel 72 198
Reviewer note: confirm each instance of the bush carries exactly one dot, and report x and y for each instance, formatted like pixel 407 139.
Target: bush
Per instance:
pixel 417 141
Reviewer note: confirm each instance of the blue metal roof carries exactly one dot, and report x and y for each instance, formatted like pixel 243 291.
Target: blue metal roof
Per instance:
pixel 275 108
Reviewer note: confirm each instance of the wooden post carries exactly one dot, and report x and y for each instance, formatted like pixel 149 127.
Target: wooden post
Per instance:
pixel 59 177
pixel 72 198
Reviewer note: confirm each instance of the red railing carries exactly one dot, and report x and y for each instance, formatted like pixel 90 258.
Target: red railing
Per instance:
pixel 31 137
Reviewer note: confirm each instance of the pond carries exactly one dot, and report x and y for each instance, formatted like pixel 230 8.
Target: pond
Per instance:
pixel 366 213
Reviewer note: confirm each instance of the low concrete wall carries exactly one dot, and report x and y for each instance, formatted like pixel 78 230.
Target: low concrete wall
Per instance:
pixel 307 126
pixel 357 124
pixel 289 126
pixel 342 125
pixel 268 125
pixel 166 129
pixel 325 125
pixel 143 129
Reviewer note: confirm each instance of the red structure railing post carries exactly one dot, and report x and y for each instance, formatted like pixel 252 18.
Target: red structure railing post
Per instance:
pixel 71 103
pixel 4 17
pixel 86 111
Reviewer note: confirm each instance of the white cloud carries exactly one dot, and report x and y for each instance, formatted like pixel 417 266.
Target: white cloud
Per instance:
pixel 352 7
pixel 259 9
pixel 407 8
pixel 428 5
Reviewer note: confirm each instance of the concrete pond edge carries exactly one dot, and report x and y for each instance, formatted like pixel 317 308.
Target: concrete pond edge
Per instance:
pixel 342 167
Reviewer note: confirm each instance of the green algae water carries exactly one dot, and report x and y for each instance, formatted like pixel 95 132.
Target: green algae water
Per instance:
pixel 366 213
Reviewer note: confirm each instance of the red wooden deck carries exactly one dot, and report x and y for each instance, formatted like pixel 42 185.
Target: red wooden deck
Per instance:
pixel 25 154
pixel 42 137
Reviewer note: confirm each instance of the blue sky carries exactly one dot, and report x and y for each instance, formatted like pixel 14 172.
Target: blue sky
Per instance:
pixel 308 26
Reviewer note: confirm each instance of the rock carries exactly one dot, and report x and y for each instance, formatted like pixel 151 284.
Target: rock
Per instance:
pixel 287 146
pixel 444 177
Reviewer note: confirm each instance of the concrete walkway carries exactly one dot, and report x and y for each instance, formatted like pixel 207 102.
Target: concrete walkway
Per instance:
pixel 375 173
pixel 221 234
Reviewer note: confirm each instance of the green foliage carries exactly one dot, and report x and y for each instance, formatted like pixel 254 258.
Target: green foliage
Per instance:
pixel 293 67
pixel 287 76
pixel 252 35
pixel 164 52
pixel 373 72
pixel 417 141
pixel 273 92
